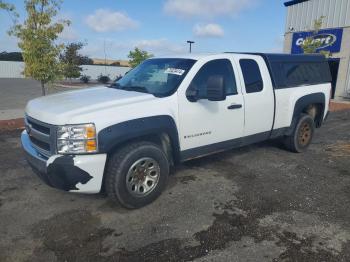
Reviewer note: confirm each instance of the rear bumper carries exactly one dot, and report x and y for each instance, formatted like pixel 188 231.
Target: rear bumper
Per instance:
pixel 83 173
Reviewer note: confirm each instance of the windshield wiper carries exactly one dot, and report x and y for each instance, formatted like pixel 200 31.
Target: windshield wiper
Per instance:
pixel 141 89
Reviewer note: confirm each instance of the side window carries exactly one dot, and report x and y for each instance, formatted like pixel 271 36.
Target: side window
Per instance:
pixel 305 73
pixel 215 67
pixel 252 76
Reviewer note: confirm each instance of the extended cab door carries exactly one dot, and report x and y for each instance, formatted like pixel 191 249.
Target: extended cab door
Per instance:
pixel 258 97
pixel 208 126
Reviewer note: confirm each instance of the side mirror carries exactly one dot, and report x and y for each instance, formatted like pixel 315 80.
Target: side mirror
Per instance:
pixel 192 94
pixel 216 88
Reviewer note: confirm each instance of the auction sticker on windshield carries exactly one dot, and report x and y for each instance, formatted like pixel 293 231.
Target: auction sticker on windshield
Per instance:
pixel 174 71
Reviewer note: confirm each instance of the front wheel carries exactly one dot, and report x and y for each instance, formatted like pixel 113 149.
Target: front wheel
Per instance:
pixel 137 174
pixel 302 135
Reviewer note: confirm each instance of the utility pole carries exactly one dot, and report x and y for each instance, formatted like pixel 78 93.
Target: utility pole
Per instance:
pixel 190 42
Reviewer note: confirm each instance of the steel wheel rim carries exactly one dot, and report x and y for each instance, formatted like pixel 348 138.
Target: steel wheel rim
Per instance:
pixel 305 134
pixel 143 177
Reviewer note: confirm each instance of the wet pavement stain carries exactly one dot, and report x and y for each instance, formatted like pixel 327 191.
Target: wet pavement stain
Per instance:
pixel 186 179
pixel 8 189
pixel 344 172
pixel 301 250
pixel 81 239
pixel 225 229
pixel 72 236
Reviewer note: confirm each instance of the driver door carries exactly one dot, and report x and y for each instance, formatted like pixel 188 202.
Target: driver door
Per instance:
pixel 209 126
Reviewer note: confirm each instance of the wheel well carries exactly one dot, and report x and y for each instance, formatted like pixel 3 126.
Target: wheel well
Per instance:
pixel 316 111
pixel 161 139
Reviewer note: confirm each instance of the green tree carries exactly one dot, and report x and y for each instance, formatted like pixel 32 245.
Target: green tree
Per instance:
pixel 37 36
pixel 85 60
pixel 71 60
pixel 310 45
pixel 137 56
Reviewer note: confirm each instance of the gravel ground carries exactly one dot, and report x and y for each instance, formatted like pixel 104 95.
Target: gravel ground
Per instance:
pixel 257 203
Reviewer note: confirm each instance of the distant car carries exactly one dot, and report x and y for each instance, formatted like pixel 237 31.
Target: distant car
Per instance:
pixel 167 110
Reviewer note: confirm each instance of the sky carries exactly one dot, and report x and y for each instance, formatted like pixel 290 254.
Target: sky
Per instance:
pixel 163 27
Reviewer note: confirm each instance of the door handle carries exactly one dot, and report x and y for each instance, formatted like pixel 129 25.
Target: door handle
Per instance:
pixel 234 106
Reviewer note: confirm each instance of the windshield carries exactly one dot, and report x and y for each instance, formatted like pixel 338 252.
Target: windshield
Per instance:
pixel 160 77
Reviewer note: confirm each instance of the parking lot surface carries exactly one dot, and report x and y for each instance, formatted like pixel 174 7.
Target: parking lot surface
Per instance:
pixel 257 203
pixel 18 92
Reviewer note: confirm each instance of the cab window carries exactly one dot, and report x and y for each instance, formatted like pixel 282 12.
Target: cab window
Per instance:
pixel 216 67
pixel 252 76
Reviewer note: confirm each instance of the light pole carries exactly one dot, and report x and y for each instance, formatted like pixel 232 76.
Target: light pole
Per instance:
pixel 190 42
pixel 104 50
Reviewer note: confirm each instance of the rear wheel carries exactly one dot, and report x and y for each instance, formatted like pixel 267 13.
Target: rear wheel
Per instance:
pixel 137 174
pixel 302 135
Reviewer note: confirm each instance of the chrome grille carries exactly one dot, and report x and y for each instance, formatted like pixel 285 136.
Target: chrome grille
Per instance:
pixel 42 136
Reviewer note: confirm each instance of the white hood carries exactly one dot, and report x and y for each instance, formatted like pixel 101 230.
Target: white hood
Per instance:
pixel 60 108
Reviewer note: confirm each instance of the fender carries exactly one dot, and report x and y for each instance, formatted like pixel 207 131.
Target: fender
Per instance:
pixel 110 137
pixel 303 102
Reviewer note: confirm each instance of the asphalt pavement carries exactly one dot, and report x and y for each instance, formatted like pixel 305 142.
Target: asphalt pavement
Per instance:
pixel 16 92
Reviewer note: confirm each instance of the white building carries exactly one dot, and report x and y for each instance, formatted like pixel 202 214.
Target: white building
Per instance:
pixel 334 35
pixel 10 69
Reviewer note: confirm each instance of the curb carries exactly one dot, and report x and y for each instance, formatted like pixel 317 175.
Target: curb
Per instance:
pixel 11 124
pixel 339 106
pixel 77 86
pixel 70 86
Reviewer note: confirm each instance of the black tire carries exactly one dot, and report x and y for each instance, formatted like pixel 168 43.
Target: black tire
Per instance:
pixel 120 164
pixel 302 135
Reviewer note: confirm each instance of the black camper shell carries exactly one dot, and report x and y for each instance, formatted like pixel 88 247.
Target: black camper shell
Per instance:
pixel 296 70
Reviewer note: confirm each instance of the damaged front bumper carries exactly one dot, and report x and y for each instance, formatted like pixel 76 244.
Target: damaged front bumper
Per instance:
pixel 74 173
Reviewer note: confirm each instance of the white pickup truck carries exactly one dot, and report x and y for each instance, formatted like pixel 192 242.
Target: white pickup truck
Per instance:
pixel 124 138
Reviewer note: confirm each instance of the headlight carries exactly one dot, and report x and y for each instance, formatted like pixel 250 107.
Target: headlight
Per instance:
pixel 76 139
